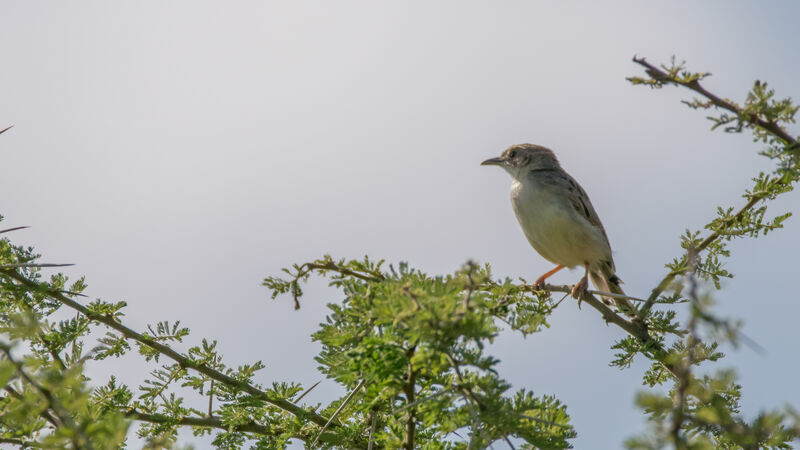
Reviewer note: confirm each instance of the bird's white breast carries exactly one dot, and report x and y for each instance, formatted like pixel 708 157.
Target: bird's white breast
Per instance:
pixel 553 227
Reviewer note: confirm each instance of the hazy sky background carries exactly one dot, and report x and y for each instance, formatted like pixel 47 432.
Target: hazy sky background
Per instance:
pixel 179 152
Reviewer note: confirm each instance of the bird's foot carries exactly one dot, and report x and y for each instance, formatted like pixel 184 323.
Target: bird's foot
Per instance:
pixel 539 284
pixel 579 290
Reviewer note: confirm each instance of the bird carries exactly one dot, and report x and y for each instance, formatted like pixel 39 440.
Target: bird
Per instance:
pixel 559 221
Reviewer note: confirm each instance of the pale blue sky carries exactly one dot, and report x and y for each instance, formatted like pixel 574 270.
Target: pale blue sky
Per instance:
pixel 179 152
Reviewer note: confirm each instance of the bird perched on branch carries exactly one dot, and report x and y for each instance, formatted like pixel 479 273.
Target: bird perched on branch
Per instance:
pixel 559 220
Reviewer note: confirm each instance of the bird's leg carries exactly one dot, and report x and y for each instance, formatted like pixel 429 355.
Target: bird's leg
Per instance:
pixel 580 288
pixel 538 285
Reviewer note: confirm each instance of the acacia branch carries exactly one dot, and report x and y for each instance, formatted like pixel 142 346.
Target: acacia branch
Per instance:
pixel 214 422
pixel 336 268
pixel 636 328
pixel 165 350
pixel 211 422
pixel 694 85
pixel 303 271
pixel 770 126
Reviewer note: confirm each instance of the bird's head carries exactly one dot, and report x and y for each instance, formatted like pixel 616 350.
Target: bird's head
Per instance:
pixel 520 159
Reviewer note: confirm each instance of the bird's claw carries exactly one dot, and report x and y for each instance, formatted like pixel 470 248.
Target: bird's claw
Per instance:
pixel 579 290
pixel 538 285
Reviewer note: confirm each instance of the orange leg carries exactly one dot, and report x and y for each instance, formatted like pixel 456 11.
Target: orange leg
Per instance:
pixel 580 288
pixel 539 284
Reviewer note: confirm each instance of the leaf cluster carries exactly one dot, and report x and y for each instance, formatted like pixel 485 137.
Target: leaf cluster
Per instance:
pixel 417 344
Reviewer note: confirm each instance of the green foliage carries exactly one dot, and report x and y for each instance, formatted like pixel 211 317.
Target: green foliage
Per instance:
pixel 417 345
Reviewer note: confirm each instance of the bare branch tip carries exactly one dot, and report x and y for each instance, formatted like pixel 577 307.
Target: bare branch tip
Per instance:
pixel 307 391
pixel 13 229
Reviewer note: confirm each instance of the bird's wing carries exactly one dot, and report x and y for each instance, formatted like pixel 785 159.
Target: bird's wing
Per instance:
pixel 577 197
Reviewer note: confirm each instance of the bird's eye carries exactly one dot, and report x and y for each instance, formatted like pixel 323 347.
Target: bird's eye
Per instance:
pixel 512 154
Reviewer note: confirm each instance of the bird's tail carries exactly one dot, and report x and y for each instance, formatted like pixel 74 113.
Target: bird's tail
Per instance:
pixel 606 280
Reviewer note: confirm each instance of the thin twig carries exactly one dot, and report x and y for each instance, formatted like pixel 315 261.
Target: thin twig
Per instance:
pixel 17 265
pixel 297 400
pixel 77 294
pixel 542 421
pixel 211 398
pixel 508 441
pixel 335 268
pixel 555 305
pixel 338 410
pixel 7 128
pixel 304 269
pixel 612 295
pixel 13 229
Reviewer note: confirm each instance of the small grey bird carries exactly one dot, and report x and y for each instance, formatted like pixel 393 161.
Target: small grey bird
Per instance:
pixel 558 219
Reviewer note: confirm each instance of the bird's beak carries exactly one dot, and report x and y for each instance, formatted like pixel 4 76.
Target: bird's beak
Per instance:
pixel 493 162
